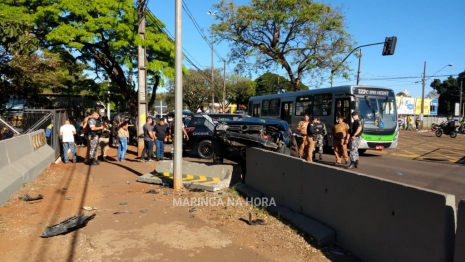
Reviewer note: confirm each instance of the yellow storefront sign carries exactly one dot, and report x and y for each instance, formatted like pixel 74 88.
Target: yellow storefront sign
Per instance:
pixel 426 106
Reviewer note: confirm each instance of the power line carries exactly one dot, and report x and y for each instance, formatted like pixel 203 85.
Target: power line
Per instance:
pixel 199 30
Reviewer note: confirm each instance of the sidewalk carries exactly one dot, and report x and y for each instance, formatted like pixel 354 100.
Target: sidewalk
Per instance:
pixel 133 225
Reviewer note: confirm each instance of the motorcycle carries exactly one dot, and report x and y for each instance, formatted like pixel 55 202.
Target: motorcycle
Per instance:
pixel 447 129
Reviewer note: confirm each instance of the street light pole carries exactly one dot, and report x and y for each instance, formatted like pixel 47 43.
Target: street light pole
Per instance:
pixel 211 14
pixel 359 64
pixel 224 85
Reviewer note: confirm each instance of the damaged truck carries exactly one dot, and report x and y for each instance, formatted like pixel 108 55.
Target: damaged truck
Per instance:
pixel 231 138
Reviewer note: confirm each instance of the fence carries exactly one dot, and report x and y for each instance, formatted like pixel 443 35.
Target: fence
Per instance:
pixel 52 119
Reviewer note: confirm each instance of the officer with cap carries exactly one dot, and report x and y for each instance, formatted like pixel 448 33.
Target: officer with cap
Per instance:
pixel 320 134
pixel 355 133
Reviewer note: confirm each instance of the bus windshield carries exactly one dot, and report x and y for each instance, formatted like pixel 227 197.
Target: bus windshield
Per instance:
pixel 377 112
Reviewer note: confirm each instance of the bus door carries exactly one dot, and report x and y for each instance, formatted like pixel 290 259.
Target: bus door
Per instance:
pixel 286 112
pixel 342 109
pixel 256 110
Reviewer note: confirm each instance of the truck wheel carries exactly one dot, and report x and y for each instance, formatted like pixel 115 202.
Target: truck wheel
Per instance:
pixel 204 149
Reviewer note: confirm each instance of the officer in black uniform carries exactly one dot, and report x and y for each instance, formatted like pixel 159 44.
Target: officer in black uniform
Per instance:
pixel 311 137
pixel 320 134
pixel 355 133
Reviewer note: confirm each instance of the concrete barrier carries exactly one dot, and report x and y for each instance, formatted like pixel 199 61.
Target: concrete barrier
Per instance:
pixel 377 220
pixel 22 159
pixel 460 235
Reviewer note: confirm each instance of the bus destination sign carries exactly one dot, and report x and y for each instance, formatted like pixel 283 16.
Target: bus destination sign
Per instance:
pixel 373 92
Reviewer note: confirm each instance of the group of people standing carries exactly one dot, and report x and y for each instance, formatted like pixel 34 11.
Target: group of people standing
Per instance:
pixel 97 132
pixel 313 131
pixel 157 133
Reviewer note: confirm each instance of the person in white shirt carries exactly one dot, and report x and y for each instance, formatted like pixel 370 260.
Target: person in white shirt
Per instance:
pixel 67 132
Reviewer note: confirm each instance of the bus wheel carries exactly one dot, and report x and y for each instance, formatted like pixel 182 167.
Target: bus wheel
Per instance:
pixel 361 151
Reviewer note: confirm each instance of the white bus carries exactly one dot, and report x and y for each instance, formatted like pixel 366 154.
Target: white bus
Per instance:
pixel 376 107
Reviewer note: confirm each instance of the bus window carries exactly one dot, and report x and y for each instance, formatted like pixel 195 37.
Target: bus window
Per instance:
pixel 250 108
pixel 322 104
pixel 256 110
pixel 274 107
pixel 303 105
pixel 265 107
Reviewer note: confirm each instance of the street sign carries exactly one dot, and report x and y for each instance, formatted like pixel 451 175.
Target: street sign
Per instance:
pixel 457 109
pixel 161 106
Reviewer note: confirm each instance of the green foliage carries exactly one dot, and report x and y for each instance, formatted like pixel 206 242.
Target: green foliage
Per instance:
pixel 238 90
pixel 104 35
pixel 196 89
pixel 449 93
pixel 270 83
pixel 301 36
pixel 402 94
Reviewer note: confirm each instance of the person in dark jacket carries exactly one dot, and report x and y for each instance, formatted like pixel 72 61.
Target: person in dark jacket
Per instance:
pixel 311 137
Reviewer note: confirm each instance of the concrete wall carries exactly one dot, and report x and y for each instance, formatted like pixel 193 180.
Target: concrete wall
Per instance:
pixel 22 159
pixel 460 236
pixel 377 220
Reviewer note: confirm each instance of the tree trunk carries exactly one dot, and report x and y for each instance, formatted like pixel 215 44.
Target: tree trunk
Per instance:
pixel 154 92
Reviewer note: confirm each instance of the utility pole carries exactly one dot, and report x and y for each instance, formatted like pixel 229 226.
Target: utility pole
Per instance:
pixel 224 85
pixel 177 143
pixel 142 78
pixel 211 14
pixel 461 106
pixel 423 89
pixel 359 63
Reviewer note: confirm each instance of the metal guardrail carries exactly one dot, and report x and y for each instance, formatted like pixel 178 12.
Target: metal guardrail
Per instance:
pixel 5 123
pixel 39 123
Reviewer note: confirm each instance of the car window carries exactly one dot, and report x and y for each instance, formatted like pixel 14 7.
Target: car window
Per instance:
pixel 197 121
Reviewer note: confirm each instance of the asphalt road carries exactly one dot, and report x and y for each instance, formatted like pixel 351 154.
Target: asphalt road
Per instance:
pixel 421 159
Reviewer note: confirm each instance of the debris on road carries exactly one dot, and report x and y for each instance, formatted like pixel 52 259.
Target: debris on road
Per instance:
pixel 27 198
pixel 68 225
pixel 89 208
pixel 119 212
pixel 69 198
pixel 123 203
pixel 143 211
pixel 192 210
pixel 152 191
pixel 399 174
pixel 256 221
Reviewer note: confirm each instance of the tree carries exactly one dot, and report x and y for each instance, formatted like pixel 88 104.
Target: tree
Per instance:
pixel 195 88
pixel 15 41
pixel 270 83
pixel 301 36
pixel 239 90
pixel 103 33
pixel 402 94
pixel 449 93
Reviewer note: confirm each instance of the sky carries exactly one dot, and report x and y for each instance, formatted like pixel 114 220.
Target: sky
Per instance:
pixel 430 31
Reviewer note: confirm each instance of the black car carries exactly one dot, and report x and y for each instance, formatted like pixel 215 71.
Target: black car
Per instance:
pixel 232 137
pixel 200 131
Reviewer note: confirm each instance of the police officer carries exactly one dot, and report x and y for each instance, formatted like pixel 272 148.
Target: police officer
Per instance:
pixel 340 140
pixel 321 133
pixel 311 137
pixel 302 128
pixel 95 129
pixel 355 133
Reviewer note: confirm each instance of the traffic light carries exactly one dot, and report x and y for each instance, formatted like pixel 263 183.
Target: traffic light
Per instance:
pixel 389 45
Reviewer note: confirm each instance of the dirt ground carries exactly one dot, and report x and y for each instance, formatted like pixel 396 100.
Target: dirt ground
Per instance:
pixel 133 225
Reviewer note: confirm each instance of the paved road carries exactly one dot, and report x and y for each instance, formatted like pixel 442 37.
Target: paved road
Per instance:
pixel 421 159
